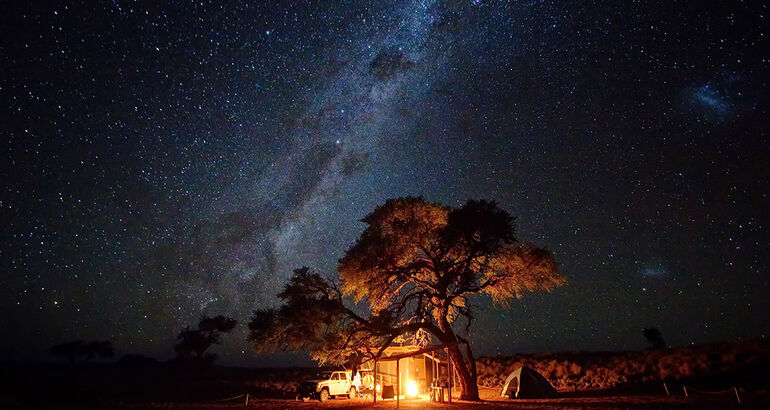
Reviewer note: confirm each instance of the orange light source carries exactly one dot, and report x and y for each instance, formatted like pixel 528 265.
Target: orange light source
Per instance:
pixel 411 388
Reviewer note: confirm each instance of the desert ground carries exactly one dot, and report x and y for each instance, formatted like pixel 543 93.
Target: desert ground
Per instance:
pixel 585 380
pixel 585 403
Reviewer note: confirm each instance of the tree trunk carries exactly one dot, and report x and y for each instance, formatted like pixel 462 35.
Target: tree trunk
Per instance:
pixel 467 381
pixel 472 362
pixel 466 372
pixel 471 359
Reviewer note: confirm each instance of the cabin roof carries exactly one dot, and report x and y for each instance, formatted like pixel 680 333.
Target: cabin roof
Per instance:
pixel 392 353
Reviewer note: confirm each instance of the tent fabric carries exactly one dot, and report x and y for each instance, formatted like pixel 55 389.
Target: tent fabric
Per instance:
pixel 526 383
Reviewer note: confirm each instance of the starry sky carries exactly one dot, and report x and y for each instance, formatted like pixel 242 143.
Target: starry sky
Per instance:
pixel 164 161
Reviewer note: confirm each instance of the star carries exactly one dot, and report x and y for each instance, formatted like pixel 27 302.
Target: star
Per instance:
pixel 167 162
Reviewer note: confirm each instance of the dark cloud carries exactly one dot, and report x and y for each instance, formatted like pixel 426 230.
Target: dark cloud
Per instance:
pixel 310 167
pixel 355 162
pixel 389 63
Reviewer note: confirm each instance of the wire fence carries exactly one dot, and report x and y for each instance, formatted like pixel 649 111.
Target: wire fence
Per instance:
pixel 689 390
pixel 240 396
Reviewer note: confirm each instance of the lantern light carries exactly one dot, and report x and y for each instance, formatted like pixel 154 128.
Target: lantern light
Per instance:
pixel 411 388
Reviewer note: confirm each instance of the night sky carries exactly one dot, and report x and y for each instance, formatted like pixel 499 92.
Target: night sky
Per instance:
pixel 161 162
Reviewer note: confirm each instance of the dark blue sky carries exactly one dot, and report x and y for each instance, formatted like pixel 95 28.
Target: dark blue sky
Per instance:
pixel 168 161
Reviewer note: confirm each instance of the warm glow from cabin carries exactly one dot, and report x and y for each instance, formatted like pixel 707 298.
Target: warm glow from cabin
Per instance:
pixel 411 388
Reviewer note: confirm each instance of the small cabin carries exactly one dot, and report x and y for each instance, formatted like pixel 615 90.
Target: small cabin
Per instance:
pixel 414 369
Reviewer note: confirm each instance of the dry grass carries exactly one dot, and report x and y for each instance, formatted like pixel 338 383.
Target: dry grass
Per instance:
pixel 589 403
pixel 569 371
pixel 601 378
pixel 716 365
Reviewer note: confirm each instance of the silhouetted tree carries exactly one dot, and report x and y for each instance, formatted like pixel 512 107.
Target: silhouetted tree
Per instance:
pixel 194 342
pixel 80 349
pixel 655 338
pixel 409 277
pixel 70 350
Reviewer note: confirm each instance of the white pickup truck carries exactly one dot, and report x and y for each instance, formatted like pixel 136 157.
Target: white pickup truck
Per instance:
pixel 326 385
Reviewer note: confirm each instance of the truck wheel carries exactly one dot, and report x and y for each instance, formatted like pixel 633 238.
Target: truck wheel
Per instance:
pixel 323 396
pixel 352 393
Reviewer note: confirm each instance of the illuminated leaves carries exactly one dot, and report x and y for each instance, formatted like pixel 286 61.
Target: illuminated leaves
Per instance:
pixel 413 247
pixel 411 274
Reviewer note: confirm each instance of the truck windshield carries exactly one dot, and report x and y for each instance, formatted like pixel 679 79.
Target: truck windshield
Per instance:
pixel 323 375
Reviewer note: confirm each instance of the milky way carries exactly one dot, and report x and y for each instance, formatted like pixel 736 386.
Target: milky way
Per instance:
pixel 165 162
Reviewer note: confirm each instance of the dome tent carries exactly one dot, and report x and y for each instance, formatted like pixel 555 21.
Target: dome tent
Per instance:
pixel 525 383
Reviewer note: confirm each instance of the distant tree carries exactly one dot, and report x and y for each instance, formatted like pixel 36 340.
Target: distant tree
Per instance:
pixel 79 349
pixel 655 338
pixel 410 276
pixel 193 343
pixel 70 350
pixel 99 349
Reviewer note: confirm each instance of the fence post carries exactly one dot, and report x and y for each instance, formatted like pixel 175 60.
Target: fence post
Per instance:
pixel 737 396
pixel 398 383
pixel 450 374
pixel 247 399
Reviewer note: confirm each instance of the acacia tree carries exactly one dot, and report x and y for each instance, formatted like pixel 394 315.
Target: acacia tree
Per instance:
pixel 410 276
pixel 193 343
pixel 655 338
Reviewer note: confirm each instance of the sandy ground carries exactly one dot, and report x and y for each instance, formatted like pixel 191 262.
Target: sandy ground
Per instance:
pixel 616 402
pixel 583 403
pixel 490 402
pixel 582 400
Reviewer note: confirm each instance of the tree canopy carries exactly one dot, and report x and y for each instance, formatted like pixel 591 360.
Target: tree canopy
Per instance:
pixel 193 343
pixel 409 277
pixel 653 335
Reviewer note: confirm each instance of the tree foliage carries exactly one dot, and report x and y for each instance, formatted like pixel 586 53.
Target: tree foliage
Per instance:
pixel 193 343
pixel 415 270
pixel 653 335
